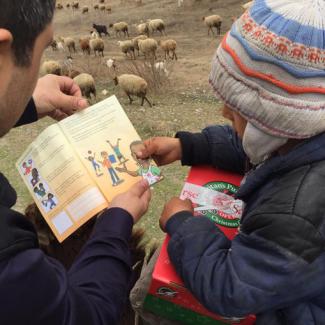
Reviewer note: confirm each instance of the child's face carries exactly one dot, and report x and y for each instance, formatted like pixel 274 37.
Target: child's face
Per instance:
pixel 137 148
pixel 238 122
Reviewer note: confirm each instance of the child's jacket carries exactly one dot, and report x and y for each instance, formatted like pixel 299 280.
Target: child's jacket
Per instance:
pixel 275 267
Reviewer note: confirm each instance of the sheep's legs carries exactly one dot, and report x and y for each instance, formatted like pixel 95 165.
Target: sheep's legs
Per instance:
pixel 174 55
pixel 131 100
pixel 147 100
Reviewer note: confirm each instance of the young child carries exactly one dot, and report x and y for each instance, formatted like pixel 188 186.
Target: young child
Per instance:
pixel 107 164
pixel 269 71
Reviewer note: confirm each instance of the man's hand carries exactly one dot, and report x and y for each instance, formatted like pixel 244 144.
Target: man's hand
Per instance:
pixel 135 200
pixel 163 150
pixel 57 97
pixel 174 206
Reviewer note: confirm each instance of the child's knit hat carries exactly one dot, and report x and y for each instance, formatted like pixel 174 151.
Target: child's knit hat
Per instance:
pixel 271 67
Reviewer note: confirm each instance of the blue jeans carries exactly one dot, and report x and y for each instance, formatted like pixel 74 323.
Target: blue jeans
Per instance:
pixel 113 175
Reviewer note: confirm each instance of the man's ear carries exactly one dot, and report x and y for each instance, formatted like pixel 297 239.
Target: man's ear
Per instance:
pixel 6 58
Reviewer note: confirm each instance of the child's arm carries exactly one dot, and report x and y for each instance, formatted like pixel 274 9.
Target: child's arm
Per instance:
pixel 247 275
pixel 218 146
pixel 125 170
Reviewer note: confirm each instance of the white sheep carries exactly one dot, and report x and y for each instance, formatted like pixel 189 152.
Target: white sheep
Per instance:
pixel 69 43
pixel 127 47
pixel 110 63
pixel 148 47
pixel 133 85
pixel 179 3
pixel 87 84
pixel 121 27
pixel 94 34
pixel 161 67
pixel 167 46
pixel 51 67
pixel 143 28
pixel 213 21
pixel 156 25
pixel 136 40
pixel 97 45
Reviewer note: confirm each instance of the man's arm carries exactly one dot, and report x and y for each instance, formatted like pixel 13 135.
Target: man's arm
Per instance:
pixel 235 278
pixel 29 115
pixel 94 291
pixel 218 146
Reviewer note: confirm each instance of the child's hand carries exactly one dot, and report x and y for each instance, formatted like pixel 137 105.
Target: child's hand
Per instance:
pixel 174 206
pixel 163 150
pixel 135 200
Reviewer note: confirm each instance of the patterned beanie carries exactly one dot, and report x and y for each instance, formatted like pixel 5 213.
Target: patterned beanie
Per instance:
pixel 270 67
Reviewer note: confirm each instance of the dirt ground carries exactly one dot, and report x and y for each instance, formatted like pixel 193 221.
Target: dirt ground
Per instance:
pixel 183 102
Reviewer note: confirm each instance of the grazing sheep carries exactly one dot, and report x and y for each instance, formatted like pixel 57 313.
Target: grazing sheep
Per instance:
pixel 136 42
pixel 59 6
pixel 121 27
pixel 110 63
pixel 179 3
pixel 84 45
pixel 96 6
pixel 97 45
pixel 101 1
pixel 102 7
pixel 75 5
pixel 143 28
pixel 94 34
pixel 85 9
pixel 168 46
pixel 86 84
pixel 247 5
pixel 127 47
pixel 101 29
pixel 51 67
pixel 213 21
pixel 161 66
pixel 133 85
pixel 148 47
pixel 156 25
pixel 69 43
pixel 108 9
pixel 68 5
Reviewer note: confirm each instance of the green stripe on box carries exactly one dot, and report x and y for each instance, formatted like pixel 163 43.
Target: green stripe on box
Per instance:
pixel 175 312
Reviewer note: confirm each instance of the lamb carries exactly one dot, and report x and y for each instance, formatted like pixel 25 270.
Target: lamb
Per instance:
pixel 110 63
pixel 156 25
pixel 85 9
pixel 69 43
pixel 97 45
pixel 136 42
pixel 148 47
pixel 121 27
pixel 169 46
pixel 51 67
pixel 101 29
pixel 133 85
pixel 87 84
pixel 127 47
pixel 84 45
pixel 143 28
pixel 213 21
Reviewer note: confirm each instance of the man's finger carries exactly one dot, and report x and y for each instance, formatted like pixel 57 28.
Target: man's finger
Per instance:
pixel 70 104
pixel 69 87
pixel 146 197
pixel 148 150
pixel 139 188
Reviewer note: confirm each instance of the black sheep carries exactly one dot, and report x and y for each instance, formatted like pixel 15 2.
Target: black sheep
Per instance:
pixel 101 29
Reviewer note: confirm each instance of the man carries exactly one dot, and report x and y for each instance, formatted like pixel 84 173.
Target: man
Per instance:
pixel 36 289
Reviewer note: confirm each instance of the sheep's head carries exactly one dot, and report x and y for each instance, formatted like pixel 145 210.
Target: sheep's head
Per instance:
pixel 203 18
pixel 110 25
pixel 115 79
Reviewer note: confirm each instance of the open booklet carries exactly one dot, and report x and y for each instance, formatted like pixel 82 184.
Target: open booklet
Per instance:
pixel 75 167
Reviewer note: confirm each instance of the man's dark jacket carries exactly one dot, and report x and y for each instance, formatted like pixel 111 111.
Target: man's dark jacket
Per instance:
pixel 275 266
pixel 36 289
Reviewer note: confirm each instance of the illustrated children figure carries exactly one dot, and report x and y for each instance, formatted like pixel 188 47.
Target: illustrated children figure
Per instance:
pixel 107 163
pixel 27 167
pixel 91 158
pixel 50 201
pixel 35 177
pixel 117 151
pixel 147 170
pixel 42 190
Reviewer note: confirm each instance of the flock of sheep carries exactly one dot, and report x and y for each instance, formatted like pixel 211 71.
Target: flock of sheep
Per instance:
pixel 144 43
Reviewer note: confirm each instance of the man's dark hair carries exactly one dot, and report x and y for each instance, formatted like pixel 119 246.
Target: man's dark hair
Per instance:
pixel 26 20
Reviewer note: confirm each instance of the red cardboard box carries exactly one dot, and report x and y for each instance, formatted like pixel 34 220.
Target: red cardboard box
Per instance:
pixel 167 295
